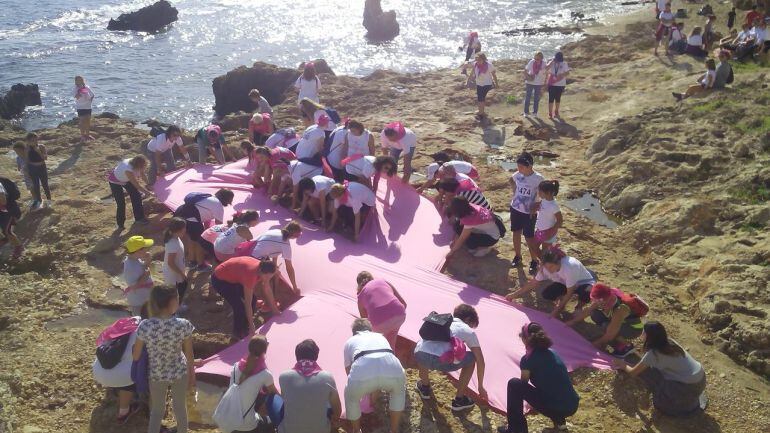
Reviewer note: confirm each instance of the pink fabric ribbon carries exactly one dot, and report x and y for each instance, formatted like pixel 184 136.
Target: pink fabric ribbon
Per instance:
pixel 456 353
pixel 351 158
pixel 110 176
pixel 307 368
pixel 122 326
pixel 244 248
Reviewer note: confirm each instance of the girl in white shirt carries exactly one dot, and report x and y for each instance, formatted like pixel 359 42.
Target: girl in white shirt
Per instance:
pixel 308 84
pixel 354 198
pixel 239 231
pixel 549 218
pixel 84 97
pixel 485 76
pixel 558 70
pixel 173 257
pixel 397 139
pixel 706 82
pixel 665 23
pixel 358 140
pixel 534 79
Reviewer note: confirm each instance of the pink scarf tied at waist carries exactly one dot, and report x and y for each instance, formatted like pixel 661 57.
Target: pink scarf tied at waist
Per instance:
pixel 307 368
pixel 352 158
pixel 456 353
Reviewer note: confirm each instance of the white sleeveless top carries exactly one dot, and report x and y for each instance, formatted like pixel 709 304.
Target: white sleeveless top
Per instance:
pixel 122 168
pixel 358 144
pixel 227 241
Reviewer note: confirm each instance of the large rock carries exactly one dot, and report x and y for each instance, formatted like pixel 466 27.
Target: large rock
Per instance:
pixel 231 91
pixel 153 18
pixel 380 26
pixel 19 97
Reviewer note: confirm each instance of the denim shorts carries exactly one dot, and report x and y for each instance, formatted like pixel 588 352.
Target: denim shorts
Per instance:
pixel 432 362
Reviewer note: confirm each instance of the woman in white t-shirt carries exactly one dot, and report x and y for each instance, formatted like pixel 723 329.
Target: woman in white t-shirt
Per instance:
pixel 308 84
pixel 665 23
pixel 558 70
pixel 125 176
pixel 534 79
pixel 237 233
pixel 358 140
pixel 695 43
pixel 252 377
pixel 471 45
pixel 173 257
pixel 397 139
pixel 568 277
pixel 351 200
pixel 485 77
pixel 84 98
pixel 705 82
pixel 678 42
pixel 314 193
pixel 312 113
pixel 549 218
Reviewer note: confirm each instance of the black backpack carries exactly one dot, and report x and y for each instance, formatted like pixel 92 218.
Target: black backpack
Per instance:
pixel 110 352
pixel 500 225
pixel 156 131
pixel 12 193
pixel 435 327
pixel 334 116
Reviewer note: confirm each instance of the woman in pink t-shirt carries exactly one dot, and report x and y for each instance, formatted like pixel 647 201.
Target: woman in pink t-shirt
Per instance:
pixel 381 303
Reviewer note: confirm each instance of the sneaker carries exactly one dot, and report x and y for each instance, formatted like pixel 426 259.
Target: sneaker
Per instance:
pixel 462 403
pixel 533 267
pixel 481 252
pixel 525 114
pixel 424 391
pixel 622 350
pixel 516 262
pixel 132 409
pixel 535 114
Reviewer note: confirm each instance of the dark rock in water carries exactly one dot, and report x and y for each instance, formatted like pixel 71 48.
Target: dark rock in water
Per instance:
pixel 231 91
pixel 107 115
pixel 380 26
pixel 151 19
pixel 541 30
pixel 18 98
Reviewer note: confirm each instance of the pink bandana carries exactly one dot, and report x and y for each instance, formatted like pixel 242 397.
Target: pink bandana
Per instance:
pixel 480 216
pixel 399 128
pixel 259 366
pixel 213 132
pixel 346 195
pixel 307 368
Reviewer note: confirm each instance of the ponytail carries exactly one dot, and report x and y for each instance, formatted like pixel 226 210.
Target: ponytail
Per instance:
pixel 549 186
pixel 554 254
pixel 535 336
pixel 174 226
pixel 244 217
pixel 247 147
pixel 257 349
pixel 290 229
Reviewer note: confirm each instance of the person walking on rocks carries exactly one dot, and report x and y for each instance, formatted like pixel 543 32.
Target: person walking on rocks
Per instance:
pixel 84 98
pixel 483 73
pixel 534 79
pixel 308 84
pixel 471 45
pixel 37 169
pixel 525 183
pixel 558 70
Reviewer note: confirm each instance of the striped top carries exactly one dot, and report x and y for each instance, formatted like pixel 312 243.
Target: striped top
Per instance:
pixel 475 197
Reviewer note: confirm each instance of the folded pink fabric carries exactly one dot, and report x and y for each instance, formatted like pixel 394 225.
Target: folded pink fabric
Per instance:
pixel 404 242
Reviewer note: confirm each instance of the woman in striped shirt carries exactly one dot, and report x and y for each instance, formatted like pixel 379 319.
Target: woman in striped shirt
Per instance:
pixel 450 187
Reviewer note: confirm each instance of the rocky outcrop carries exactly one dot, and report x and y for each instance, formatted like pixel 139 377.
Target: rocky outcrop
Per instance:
pixel 231 91
pixel 151 19
pixel 18 98
pixel 380 26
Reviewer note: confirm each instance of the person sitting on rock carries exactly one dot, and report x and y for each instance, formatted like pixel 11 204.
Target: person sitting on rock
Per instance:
pixel 352 204
pixel 695 43
pixel 612 310
pixel 211 138
pixel 260 128
pixel 678 41
pixel 308 84
pixel 544 384
pixel 568 277
pixel 397 139
pixel 477 228
pixel 437 170
pixel 706 82
pixel 737 40
pixel 160 152
pixel 724 73
pixel 677 381
pixel 260 103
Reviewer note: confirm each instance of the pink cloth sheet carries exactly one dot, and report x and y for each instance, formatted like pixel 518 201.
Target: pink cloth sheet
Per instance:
pixel 327 264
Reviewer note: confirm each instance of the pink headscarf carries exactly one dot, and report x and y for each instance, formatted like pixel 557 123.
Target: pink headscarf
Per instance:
pixel 399 128
pixel 213 132
pixel 323 121
pixel 307 368
pixel 121 327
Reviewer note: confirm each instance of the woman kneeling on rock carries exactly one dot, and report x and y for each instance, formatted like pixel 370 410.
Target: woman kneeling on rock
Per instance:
pixel 677 381
pixel 477 228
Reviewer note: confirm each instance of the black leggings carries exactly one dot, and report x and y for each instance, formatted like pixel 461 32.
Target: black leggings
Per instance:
pixel 476 240
pixel 519 392
pixel 554 94
pixel 120 201
pixel 39 176
pixel 233 294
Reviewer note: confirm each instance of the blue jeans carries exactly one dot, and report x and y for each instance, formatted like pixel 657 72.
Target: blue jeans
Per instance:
pixel 166 158
pixel 532 89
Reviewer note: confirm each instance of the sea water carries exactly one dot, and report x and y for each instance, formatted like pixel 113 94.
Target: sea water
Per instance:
pixel 168 75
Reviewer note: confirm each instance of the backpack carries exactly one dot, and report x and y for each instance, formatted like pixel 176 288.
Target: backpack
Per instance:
pixel 110 352
pixel 435 327
pixel 638 306
pixel 730 76
pixel 12 193
pixel 333 115
pixel 229 414
pixel 156 131
pixel 194 198
pixel 500 225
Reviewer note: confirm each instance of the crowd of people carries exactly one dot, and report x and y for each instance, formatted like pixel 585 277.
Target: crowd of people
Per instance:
pixel 328 175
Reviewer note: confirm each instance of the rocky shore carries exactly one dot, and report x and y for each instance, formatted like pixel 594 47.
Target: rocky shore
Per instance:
pixel 690 184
